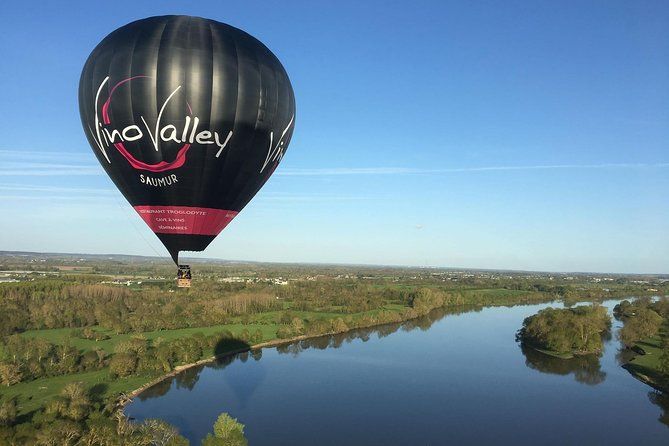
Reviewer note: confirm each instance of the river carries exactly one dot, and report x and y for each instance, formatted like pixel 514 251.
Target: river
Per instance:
pixel 458 378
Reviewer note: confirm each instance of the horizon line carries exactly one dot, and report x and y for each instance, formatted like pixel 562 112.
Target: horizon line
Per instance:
pixel 166 259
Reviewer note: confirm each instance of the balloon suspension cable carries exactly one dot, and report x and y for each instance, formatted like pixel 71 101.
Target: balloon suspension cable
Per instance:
pixel 132 223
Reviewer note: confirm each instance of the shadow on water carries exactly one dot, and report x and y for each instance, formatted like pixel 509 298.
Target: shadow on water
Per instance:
pixel 625 355
pixel 244 375
pixel 188 378
pixel 242 389
pixel 586 369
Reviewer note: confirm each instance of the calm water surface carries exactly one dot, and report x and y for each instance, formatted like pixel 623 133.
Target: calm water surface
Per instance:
pixel 445 379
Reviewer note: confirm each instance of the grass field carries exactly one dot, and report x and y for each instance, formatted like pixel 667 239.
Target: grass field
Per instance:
pixel 64 335
pixel 647 367
pixel 268 323
pixel 34 394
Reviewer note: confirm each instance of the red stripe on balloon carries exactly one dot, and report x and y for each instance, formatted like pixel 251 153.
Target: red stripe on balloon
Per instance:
pixel 185 219
pixel 105 106
pixel 134 162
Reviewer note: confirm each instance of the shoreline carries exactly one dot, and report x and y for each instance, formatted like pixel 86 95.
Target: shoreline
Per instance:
pixel 645 379
pixel 126 398
pixel 557 355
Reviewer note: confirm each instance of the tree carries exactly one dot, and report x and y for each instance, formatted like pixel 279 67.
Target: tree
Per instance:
pixel 426 299
pixel 10 374
pixel 159 433
pixel 165 357
pixel 58 433
pixel 67 357
pixel 72 402
pixel 664 358
pixel 644 324
pixel 137 345
pixel 89 361
pixel 339 326
pixel 187 350
pixel 297 326
pixel 257 336
pixel 286 317
pixel 227 432
pixel 8 411
pixel 283 332
pixel 123 364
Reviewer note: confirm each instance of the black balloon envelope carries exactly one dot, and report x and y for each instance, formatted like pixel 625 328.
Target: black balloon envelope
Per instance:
pixel 189 117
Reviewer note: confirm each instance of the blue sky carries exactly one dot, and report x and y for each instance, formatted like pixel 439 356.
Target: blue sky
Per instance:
pixel 520 135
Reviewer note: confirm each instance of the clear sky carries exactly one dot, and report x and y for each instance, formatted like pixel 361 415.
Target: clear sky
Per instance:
pixel 489 134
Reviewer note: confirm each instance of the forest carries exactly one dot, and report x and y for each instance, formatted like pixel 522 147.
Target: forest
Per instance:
pixel 567 332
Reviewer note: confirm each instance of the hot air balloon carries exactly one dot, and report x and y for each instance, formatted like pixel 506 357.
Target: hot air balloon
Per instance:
pixel 189 117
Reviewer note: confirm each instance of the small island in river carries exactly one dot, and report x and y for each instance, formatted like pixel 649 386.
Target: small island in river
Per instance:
pixel 567 332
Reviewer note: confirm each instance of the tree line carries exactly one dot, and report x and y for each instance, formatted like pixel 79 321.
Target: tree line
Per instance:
pixel 643 319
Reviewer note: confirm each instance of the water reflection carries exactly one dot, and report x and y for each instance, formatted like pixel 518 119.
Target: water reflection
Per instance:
pixel 381 331
pixel 183 380
pixel 187 379
pixel 624 355
pixel 586 369
pixel 254 376
pixel 156 390
pixel 471 361
pixel 662 401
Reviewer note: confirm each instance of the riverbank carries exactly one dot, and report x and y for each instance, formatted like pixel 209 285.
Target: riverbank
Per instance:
pixel 551 353
pixel 291 394
pixel 126 398
pixel 565 355
pixel 645 365
pixel 260 329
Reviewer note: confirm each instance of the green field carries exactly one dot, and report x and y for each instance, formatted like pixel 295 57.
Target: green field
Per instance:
pixel 268 323
pixel 35 394
pixel 64 335
pixel 647 366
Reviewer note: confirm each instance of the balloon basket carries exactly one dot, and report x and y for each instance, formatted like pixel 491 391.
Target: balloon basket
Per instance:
pixel 183 276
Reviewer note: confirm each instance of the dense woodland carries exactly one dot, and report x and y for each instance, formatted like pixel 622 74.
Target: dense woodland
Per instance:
pixel 567 331
pixel 643 318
